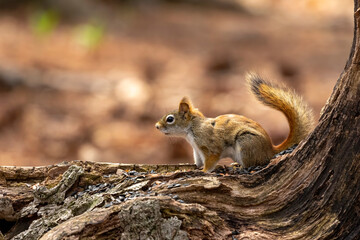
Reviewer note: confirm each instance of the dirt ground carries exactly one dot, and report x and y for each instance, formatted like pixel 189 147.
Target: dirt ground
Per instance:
pixel 61 99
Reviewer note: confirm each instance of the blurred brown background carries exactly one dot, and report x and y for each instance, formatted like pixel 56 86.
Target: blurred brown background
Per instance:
pixel 88 79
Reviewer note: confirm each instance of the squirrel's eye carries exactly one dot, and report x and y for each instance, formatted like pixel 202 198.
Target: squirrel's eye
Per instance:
pixel 170 119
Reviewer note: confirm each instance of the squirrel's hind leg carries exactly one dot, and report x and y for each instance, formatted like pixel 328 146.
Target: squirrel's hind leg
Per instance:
pixel 252 150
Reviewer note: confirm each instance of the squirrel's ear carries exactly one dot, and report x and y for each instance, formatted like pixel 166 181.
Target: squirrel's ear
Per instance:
pixel 185 105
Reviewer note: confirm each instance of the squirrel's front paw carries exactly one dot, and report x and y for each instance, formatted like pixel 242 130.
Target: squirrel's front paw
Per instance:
pixel 205 170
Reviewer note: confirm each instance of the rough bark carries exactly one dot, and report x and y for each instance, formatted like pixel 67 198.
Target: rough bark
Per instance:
pixel 312 193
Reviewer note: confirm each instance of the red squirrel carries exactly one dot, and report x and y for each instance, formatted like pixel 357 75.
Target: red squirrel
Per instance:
pixel 236 136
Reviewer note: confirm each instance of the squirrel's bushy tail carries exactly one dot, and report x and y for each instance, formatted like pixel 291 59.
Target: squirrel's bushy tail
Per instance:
pixel 298 114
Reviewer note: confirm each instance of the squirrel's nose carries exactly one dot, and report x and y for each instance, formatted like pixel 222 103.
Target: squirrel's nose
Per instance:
pixel 157 125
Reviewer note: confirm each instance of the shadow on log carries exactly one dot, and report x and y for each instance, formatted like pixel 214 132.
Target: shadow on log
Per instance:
pixel 312 193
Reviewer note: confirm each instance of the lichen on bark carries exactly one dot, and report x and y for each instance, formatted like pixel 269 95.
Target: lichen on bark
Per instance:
pixel 57 209
pixel 57 194
pixel 143 220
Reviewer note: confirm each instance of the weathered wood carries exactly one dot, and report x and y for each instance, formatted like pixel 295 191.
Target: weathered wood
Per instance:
pixel 312 193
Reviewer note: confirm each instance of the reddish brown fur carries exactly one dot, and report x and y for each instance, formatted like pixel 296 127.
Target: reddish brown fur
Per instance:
pixel 235 136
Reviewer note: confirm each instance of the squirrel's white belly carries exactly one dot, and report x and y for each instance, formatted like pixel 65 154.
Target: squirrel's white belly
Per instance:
pixel 199 157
